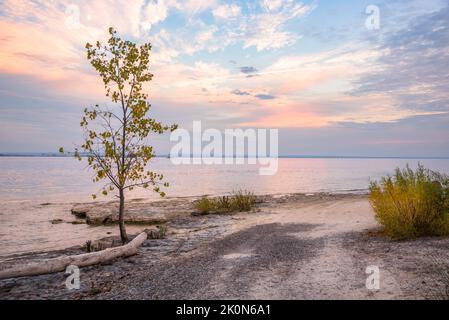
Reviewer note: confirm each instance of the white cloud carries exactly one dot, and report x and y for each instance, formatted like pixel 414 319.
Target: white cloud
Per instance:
pixel 169 45
pixel 206 35
pixel 154 12
pixel 413 64
pixel 266 30
pixel 192 7
pixel 270 5
pixel 227 11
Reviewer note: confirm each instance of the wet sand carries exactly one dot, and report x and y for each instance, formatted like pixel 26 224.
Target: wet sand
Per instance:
pixel 290 247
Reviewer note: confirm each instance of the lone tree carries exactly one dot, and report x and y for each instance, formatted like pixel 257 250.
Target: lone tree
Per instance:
pixel 115 139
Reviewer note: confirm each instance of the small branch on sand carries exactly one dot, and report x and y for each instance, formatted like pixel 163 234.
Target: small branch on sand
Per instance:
pixel 82 260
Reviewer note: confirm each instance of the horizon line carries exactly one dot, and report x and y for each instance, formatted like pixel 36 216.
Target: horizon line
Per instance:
pixel 285 156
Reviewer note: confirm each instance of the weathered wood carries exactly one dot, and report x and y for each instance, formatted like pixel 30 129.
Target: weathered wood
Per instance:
pixel 82 260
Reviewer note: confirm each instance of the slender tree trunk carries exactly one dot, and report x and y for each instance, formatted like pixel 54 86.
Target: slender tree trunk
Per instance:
pixel 121 219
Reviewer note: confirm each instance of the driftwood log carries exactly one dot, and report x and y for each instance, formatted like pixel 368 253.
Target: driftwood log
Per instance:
pixel 82 260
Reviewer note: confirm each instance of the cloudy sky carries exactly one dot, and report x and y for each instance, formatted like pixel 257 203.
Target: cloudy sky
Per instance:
pixel 313 69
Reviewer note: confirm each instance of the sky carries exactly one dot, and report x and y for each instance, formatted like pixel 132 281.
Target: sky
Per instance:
pixel 331 82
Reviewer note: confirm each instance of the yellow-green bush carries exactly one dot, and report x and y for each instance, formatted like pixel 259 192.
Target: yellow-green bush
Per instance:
pixel 412 203
pixel 236 202
pixel 204 205
pixel 242 200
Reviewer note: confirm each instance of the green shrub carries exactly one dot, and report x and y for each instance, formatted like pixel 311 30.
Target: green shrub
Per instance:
pixel 223 204
pixel 236 202
pixel 204 205
pixel 243 200
pixel 412 203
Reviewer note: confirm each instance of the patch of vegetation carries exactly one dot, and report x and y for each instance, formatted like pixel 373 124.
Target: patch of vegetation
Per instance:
pixel 204 205
pixel 88 246
pixel 162 231
pixel 412 203
pixel 243 200
pixel 238 201
pixel 101 244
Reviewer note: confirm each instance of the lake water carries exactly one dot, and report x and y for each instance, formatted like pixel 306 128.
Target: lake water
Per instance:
pixel 28 182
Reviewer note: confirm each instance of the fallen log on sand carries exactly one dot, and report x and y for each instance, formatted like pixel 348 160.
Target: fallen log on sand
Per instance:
pixel 82 260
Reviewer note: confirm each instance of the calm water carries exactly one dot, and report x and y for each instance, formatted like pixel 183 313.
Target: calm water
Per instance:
pixel 26 183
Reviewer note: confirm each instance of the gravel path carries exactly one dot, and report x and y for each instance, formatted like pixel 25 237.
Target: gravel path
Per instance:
pixel 295 247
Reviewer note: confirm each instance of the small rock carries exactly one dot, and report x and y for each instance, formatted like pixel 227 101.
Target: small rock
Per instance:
pixel 108 214
pixel 80 211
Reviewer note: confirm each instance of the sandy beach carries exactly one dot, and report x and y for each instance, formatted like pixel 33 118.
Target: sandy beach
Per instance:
pixel 292 246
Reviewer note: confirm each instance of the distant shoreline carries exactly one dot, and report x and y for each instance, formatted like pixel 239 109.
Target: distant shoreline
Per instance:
pixel 56 155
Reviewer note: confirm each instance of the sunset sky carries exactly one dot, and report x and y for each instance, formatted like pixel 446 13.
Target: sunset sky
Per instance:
pixel 310 68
